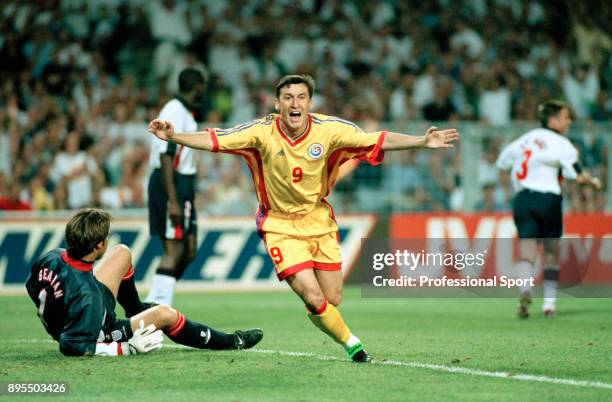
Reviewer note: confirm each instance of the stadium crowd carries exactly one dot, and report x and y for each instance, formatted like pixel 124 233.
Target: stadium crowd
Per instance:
pixel 79 81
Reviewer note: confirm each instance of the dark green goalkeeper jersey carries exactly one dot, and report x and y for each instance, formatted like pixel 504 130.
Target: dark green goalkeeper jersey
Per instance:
pixel 76 309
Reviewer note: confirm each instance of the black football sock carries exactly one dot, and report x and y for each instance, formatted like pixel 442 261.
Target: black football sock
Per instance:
pixel 166 271
pixel 127 295
pixel 196 335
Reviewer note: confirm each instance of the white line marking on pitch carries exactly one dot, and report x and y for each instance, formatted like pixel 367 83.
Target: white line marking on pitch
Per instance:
pixel 436 367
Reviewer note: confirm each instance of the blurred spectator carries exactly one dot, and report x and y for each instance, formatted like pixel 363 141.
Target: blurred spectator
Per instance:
pixel 402 177
pixel 455 199
pixel 12 199
pixel 588 35
pixel 38 51
pixel 424 86
pixel 466 40
pixel 401 105
pixel 494 102
pixel 75 168
pixel 102 70
pixel 55 76
pixel 488 203
pixel 487 172
pixel 169 29
pixel 601 110
pixel 581 89
pixel 12 59
pixel 441 108
pixel 293 48
pixel 41 199
pixel 231 195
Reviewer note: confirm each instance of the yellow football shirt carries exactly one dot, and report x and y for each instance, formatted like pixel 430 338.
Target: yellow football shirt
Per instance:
pixel 293 177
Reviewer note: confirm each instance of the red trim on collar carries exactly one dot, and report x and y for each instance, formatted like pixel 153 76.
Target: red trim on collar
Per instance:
pixel 76 264
pixel 287 138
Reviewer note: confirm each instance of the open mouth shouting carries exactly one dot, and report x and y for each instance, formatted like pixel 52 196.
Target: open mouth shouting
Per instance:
pixel 295 117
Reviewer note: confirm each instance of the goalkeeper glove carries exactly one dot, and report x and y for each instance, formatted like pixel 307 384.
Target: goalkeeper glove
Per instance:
pixel 145 339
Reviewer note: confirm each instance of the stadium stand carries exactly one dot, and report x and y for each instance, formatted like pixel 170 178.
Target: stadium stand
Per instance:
pixel 79 80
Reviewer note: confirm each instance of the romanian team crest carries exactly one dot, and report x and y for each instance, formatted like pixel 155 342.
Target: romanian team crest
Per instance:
pixel 315 151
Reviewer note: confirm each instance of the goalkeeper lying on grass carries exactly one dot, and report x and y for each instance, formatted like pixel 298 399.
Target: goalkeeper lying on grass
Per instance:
pixel 76 302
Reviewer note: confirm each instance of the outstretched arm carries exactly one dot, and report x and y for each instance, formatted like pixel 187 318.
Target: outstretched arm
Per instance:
pixel 433 138
pixel 586 179
pixel 164 130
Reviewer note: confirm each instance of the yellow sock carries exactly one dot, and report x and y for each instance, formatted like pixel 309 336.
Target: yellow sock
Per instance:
pixel 330 321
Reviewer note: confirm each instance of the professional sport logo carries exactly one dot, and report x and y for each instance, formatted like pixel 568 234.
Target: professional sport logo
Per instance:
pixel 315 151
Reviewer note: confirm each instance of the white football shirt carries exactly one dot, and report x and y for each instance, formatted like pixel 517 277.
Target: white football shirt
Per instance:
pixel 538 159
pixel 184 157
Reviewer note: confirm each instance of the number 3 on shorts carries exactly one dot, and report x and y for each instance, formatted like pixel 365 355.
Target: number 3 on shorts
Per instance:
pixel 276 255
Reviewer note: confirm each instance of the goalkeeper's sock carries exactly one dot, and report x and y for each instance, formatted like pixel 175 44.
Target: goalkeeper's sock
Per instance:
pixel 127 295
pixel 328 319
pixel 524 270
pixel 196 335
pixel 162 288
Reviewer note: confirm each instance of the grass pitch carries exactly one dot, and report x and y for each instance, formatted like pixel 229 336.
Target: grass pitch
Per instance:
pixel 424 349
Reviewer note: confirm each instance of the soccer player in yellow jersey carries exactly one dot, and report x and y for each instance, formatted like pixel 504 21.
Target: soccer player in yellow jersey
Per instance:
pixel 294 159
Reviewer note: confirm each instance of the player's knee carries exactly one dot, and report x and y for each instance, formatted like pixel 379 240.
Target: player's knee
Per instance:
pixel 124 253
pixel 123 250
pixel 314 299
pixel 335 298
pixel 165 315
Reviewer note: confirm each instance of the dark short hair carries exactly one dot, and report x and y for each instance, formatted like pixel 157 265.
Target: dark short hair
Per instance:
pixel 190 77
pixel 548 109
pixel 85 230
pixel 288 80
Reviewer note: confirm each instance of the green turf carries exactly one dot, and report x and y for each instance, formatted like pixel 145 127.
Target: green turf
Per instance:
pixel 479 334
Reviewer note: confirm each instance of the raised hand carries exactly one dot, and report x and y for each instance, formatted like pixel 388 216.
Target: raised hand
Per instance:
pixel 435 138
pixel 164 130
pixel 596 183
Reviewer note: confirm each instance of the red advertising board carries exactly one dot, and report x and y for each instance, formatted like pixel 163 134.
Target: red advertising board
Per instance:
pixel 585 251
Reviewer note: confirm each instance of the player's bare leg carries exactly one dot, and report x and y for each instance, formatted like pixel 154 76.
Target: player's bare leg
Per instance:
pixel 551 276
pixel 304 283
pixel 116 272
pixel 113 267
pixel 528 251
pixel 331 284
pixel 188 254
pixel 189 333
pixel 323 314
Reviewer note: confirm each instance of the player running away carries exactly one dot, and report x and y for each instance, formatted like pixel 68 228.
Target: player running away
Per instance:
pixel 538 160
pixel 76 302
pixel 294 159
